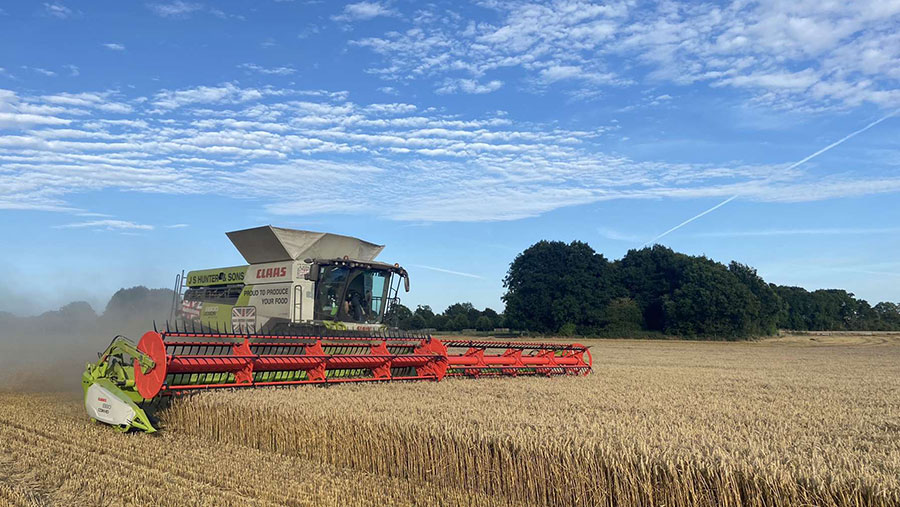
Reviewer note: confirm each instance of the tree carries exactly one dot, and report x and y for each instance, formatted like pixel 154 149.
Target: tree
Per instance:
pixel 134 308
pixel 770 308
pixel 567 329
pixel 417 322
pixel 440 323
pixel 459 308
pixel 461 315
pixel 622 315
pixel 886 316
pixel 552 284
pixel 458 322
pixel 484 323
pixel 80 311
pixel 426 314
pixel 710 302
pixel 554 287
pixel 496 319
pixel 138 302
pixel 798 308
pixel 648 276
pixel 833 309
pixel 399 316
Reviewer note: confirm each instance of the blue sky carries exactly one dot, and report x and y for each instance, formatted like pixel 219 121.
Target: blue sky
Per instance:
pixel 134 134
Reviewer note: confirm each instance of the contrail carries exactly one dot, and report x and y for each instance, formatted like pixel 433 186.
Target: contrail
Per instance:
pixel 442 270
pixel 839 141
pixel 788 168
pixel 689 220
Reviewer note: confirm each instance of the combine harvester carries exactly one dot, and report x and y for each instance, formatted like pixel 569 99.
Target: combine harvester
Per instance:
pixel 308 309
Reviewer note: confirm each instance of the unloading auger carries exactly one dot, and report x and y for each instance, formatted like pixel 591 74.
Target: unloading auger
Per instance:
pixel 181 360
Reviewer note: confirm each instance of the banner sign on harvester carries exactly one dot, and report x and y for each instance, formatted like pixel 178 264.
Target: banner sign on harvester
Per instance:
pixel 270 300
pixel 221 276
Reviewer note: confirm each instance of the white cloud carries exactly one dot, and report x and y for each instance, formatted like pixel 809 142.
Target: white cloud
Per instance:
pixel 272 142
pixel 225 93
pixel 58 10
pixel 108 224
pixel 92 214
pixel 361 11
pixel 830 231
pixel 101 101
pixel 310 30
pixel 45 72
pixel 558 72
pixel 175 9
pixel 73 70
pixel 177 226
pixel 18 120
pixel 469 86
pixel 115 46
pixel 803 54
pixel 180 9
pixel 391 109
pixel 794 81
pixel 18 114
pixel 284 70
pixel 829 189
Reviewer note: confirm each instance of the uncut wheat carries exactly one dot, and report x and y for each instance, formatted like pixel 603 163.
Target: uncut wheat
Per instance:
pixel 658 423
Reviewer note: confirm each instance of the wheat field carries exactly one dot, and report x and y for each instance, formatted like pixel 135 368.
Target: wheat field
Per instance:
pixel 802 420
pixel 50 454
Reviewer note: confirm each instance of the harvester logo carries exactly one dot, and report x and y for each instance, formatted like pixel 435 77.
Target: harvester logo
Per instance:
pixel 271 272
pixel 105 408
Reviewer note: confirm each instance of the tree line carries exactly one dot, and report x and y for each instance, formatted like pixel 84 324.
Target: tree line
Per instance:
pixel 558 288
pixel 456 317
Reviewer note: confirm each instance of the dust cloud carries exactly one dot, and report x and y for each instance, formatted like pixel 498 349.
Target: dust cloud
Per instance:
pixel 48 352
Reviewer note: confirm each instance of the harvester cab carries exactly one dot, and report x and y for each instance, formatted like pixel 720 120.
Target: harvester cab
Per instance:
pixel 294 280
pixel 308 308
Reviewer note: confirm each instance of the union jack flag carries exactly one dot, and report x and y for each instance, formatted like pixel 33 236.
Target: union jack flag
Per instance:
pixel 191 308
pixel 243 319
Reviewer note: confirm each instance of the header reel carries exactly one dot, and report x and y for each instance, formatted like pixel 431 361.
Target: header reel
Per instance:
pixel 172 362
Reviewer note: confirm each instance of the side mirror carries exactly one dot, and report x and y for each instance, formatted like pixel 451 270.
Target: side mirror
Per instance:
pixel 313 273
